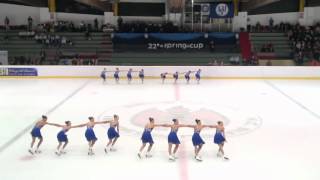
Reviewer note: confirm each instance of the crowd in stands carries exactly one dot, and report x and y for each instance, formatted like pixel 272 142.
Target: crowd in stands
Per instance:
pixel 267 47
pixel 58 26
pixel 305 39
pixel 233 60
pixel 8 27
pixel 142 27
pixel 306 42
pixel 62 60
pixel 271 27
pixel 76 59
pixel 52 40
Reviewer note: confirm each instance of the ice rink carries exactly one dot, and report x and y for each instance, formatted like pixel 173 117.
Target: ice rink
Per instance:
pixel 272 128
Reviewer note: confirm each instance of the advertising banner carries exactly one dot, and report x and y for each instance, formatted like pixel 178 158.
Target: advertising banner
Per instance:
pixel 18 72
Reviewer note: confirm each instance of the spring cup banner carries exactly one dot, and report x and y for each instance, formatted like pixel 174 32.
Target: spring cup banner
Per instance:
pixel 221 10
pixel 170 41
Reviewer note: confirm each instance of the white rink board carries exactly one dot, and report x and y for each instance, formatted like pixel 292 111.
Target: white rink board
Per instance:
pixel 155 71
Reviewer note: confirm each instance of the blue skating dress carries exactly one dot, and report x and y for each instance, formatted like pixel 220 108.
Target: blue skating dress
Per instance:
pixel 62 137
pixel 198 75
pixel 218 137
pixel 196 139
pixel 146 136
pixel 173 137
pixel 90 136
pixel 36 132
pixel 112 133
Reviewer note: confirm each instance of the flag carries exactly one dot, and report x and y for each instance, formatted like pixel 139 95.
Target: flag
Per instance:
pixel 205 9
pixel 221 10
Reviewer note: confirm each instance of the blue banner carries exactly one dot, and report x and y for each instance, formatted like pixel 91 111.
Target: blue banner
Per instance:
pixel 18 72
pixel 157 41
pixel 135 38
pixel 221 10
pixel 176 36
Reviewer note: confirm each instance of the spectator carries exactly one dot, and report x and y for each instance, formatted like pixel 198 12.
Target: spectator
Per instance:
pixel 120 21
pixel 234 60
pixel 88 35
pixel 74 62
pixel 42 56
pixel 271 23
pixel 210 63
pixel 269 63
pixel 96 24
pixel 300 58
pixel 215 63
pixel 63 40
pixel 7 23
pixel 212 46
pixel 270 47
pixel 30 21
pixel 82 26
pixel 254 59
pixel 314 62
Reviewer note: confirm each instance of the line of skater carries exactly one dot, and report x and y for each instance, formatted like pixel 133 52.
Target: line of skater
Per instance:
pixel 173 140
pixel 163 76
pixel 187 76
pixel 146 138
pixel 113 134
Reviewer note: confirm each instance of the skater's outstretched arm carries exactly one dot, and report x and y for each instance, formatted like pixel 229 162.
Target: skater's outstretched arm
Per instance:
pixel 54 124
pixel 158 125
pixel 210 126
pixel 103 122
pixel 80 125
pixel 189 126
pixel 165 125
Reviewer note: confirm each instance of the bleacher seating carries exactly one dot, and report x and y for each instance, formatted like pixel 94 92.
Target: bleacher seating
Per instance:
pixel 280 42
pixel 99 45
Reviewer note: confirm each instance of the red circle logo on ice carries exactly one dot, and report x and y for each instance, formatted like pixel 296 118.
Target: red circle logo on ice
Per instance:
pixel 133 117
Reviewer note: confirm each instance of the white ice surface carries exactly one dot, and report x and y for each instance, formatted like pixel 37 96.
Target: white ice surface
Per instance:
pixel 283 144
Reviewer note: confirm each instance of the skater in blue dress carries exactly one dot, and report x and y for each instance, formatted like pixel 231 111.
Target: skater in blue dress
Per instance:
pixel 113 133
pixel 198 77
pixel 103 75
pixel 129 75
pixel 197 141
pixel 116 75
pixel 36 133
pixel 220 139
pixel 173 138
pixel 147 138
pixel 141 75
pixel 62 136
pixel 90 135
pixel 187 76
pixel 175 77
pixel 163 76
